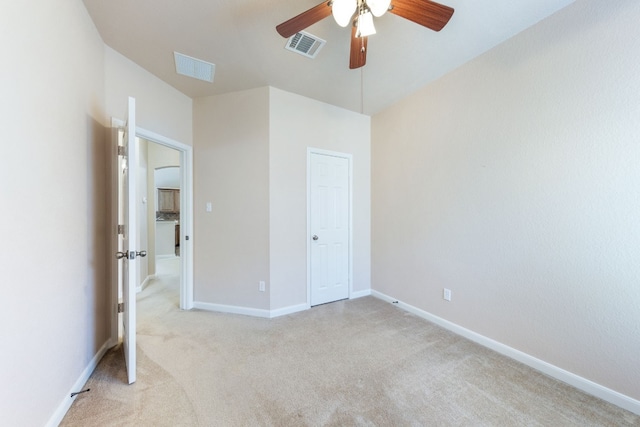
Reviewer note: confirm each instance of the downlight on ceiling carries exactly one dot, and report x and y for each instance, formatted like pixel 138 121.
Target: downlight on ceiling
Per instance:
pixel 305 44
pixel 195 68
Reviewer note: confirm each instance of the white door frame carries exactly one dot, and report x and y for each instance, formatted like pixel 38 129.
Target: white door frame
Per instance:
pixel 186 219
pixel 349 157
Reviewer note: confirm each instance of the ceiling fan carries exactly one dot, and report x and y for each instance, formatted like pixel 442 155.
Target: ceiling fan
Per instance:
pixel 360 14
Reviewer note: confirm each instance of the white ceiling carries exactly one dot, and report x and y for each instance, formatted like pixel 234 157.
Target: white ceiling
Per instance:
pixel 239 36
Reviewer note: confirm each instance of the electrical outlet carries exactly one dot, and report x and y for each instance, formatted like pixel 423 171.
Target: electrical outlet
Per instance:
pixel 261 286
pixel 446 294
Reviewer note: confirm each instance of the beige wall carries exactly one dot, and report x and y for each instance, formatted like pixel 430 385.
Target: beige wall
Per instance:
pixel 53 255
pixel 58 96
pixel 159 107
pixel 231 170
pixel 296 123
pixel 514 182
pixel 250 163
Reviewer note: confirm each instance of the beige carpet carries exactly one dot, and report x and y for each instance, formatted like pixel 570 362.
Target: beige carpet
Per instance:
pixel 351 363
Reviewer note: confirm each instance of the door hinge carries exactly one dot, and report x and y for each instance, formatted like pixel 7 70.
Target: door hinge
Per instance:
pixel 120 307
pixel 122 150
pixel 121 229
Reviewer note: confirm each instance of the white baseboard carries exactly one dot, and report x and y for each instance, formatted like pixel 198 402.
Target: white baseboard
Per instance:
pixel 288 310
pixel 268 314
pixel 64 406
pixel 560 374
pixel 360 294
pixel 233 309
pixel 247 311
pixel 145 283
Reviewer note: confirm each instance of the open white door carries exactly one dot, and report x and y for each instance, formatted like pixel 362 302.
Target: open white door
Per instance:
pixel 127 228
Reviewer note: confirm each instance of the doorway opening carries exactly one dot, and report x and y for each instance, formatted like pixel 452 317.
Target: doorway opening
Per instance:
pixel 159 224
pixel 150 149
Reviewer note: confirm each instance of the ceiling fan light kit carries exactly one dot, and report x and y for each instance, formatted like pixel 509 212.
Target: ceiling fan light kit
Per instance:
pixel 365 25
pixel 343 10
pixel 378 7
pixel 423 12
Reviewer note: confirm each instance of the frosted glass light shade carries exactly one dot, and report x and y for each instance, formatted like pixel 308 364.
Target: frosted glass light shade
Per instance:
pixel 365 25
pixel 378 7
pixel 342 11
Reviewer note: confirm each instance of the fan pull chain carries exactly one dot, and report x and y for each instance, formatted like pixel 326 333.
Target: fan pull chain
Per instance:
pixel 362 89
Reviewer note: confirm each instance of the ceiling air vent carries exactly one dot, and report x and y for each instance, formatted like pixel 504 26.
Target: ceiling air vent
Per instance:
pixel 192 67
pixel 305 44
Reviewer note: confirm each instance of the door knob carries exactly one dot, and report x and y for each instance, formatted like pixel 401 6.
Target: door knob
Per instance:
pixel 141 254
pixel 315 237
pixel 120 255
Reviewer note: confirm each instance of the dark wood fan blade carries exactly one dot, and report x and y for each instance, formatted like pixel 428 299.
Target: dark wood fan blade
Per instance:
pixel 358 55
pixel 304 20
pixel 424 12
